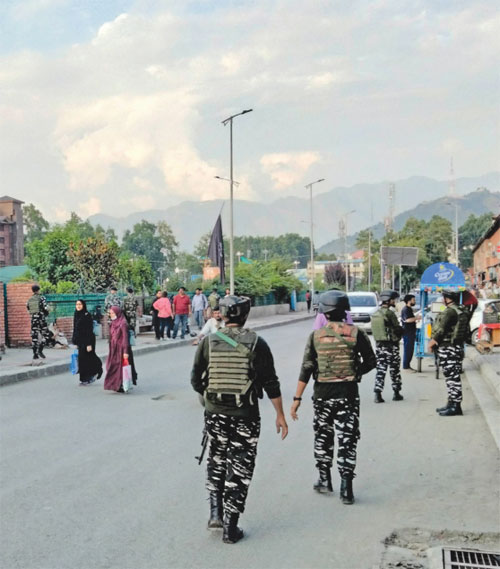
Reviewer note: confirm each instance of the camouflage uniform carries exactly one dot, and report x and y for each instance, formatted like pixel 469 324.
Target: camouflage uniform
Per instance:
pixel 112 299
pixel 387 349
pixel 336 403
pixel 450 353
pixel 130 305
pixel 40 334
pixel 233 431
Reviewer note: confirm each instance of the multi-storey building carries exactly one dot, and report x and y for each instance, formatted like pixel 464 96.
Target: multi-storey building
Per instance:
pixel 11 232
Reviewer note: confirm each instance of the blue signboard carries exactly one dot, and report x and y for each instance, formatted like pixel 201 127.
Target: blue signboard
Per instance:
pixel 442 275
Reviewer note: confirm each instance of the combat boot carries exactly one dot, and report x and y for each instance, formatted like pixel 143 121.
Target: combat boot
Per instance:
pixel 397 396
pixel 346 494
pixel 453 409
pixel 216 513
pixel 40 352
pixel 378 397
pixel 35 353
pixel 231 532
pixel 324 483
pixel 439 409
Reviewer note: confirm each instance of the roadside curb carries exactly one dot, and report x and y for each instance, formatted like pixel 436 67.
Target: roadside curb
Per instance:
pixel 60 367
pixel 490 375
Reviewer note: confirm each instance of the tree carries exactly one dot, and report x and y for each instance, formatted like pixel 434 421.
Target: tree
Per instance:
pixel 34 223
pixel 469 234
pixel 96 263
pixel 169 244
pixel 136 271
pixel 144 242
pixel 335 274
pixel 201 248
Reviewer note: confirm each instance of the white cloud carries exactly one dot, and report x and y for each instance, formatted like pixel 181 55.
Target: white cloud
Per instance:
pixel 287 169
pixel 90 207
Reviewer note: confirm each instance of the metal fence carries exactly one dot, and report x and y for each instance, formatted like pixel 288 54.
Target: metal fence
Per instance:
pixel 62 305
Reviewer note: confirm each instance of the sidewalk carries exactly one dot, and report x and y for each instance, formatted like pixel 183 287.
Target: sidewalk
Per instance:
pixel 16 363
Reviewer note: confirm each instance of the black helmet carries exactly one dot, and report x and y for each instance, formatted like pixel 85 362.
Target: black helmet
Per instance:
pixel 452 294
pixel 333 300
pixel 235 308
pixel 388 295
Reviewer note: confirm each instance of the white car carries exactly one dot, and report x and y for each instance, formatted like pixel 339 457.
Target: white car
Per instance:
pixel 363 305
pixel 477 317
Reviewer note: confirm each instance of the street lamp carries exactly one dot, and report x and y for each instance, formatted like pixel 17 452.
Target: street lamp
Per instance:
pixel 227 180
pixel 239 254
pixel 231 229
pixel 312 240
pixel 456 231
pixel 345 250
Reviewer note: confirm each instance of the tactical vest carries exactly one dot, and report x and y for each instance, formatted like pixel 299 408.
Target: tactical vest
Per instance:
pixel 335 345
pixel 381 328
pixel 230 368
pixel 458 334
pixel 34 304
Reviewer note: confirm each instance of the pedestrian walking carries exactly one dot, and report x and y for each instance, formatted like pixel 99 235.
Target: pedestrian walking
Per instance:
pixel 182 311
pixel 119 350
pixel 337 356
pixel 308 300
pixel 409 321
pixel 40 333
pixel 164 309
pixel 231 370
pixel 154 313
pixel 448 336
pixel 89 363
pixel 387 334
pixel 199 304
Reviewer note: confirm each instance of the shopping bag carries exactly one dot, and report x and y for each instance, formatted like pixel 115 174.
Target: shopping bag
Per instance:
pixel 131 337
pixel 97 328
pixel 126 375
pixel 73 365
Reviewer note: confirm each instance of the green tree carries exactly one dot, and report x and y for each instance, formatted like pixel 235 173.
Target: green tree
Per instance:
pixel 169 244
pixel 96 263
pixel 136 271
pixel 35 224
pixel 469 234
pixel 143 242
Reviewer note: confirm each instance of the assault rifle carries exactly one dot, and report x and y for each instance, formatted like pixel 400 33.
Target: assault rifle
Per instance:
pixel 204 442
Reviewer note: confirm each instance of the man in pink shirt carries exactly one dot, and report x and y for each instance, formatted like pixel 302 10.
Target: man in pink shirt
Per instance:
pixel 181 310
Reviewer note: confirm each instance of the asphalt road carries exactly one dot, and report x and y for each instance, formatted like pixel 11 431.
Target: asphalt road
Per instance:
pixel 91 479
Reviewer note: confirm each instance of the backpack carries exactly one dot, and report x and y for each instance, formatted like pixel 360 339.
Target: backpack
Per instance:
pixel 461 330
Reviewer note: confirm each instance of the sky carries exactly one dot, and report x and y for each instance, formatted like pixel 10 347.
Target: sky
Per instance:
pixel 116 106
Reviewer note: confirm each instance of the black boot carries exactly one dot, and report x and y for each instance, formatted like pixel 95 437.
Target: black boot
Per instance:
pixel 35 353
pixel 453 409
pixel 397 396
pixel 40 352
pixel 216 514
pixel 231 532
pixel 346 494
pixel 378 397
pixel 439 409
pixel 324 483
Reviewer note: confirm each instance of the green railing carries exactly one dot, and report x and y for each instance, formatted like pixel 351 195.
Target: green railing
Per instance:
pixel 63 305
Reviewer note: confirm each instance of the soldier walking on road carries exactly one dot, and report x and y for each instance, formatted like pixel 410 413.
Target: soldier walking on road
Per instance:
pixel 40 334
pixel 448 335
pixel 231 370
pixel 337 355
pixel 387 334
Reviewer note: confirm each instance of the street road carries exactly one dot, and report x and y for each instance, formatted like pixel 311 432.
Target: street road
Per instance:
pixel 91 479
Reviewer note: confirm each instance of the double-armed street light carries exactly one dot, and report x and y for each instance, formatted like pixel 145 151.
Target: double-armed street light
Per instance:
pixel 231 229
pixel 311 237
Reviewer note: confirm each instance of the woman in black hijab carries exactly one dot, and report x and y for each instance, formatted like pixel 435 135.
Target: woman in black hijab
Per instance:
pixel 89 364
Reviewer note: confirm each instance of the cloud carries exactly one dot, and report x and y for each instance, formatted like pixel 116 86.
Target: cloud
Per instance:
pixel 287 169
pixel 90 207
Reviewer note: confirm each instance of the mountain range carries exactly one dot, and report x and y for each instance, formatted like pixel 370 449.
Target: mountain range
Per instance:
pixel 364 204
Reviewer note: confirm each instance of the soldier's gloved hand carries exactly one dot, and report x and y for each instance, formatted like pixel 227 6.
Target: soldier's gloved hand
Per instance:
pixel 294 409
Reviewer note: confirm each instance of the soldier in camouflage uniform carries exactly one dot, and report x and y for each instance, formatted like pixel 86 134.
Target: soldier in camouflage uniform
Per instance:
pixel 387 334
pixel 337 355
pixel 40 334
pixel 130 305
pixel 112 299
pixel 232 368
pixel 448 335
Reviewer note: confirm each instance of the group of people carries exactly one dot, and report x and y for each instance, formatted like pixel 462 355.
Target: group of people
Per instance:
pixel 233 367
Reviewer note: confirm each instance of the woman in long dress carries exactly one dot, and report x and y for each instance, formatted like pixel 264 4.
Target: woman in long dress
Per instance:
pixel 89 364
pixel 119 350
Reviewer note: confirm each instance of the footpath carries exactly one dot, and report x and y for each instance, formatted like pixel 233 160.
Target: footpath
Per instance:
pixel 16 364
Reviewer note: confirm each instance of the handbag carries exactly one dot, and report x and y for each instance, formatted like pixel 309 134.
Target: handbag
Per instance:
pixel 73 364
pixel 131 338
pixel 126 375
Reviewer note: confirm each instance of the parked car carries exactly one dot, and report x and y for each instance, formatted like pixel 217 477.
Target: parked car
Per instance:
pixel 363 305
pixel 477 317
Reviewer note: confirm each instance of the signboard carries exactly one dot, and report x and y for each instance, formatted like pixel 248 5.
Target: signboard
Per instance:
pixel 405 256
pixel 442 275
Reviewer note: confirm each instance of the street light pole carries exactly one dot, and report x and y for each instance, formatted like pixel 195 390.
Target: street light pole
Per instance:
pixel 231 228
pixel 311 237
pixel 345 250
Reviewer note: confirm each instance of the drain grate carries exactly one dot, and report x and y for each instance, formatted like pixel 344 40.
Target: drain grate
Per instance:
pixel 470 559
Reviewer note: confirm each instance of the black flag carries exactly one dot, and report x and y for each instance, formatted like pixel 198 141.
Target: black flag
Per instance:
pixel 216 248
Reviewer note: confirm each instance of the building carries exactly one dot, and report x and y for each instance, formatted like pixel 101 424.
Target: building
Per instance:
pixel 487 256
pixel 11 232
pixel 355 267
